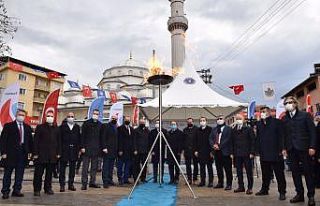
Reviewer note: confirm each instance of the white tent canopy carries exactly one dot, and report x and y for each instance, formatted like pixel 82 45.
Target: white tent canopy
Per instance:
pixel 189 96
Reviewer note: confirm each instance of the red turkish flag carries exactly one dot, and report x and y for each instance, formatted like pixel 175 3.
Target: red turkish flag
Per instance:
pixel 53 75
pixel 237 89
pixel 51 105
pixel 86 91
pixel 309 104
pixel 15 67
pixel 113 97
pixel 134 100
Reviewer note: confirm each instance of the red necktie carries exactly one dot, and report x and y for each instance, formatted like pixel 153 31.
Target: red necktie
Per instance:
pixel 20 132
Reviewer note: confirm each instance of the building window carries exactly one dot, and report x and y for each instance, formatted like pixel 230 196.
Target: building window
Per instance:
pixel 1 76
pixel 21 105
pixel 130 72
pixel 300 94
pixel 22 77
pixel 23 91
pixel 312 86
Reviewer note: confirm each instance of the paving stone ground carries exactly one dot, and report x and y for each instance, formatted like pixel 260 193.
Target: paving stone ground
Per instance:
pixel 106 197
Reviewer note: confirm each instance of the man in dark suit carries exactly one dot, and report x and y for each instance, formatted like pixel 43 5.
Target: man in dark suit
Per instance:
pixel 155 159
pixel 126 150
pixel 90 149
pixel 301 141
pixel 221 143
pixel 243 141
pixel 190 133
pixel 15 147
pixel 175 137
pixel 203 152
pixel 109 141
pixel 271 148
pixel 141 148
pixel 47 151
pixel 70 140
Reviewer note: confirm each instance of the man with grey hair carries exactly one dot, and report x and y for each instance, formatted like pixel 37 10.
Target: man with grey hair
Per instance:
pixel 301 141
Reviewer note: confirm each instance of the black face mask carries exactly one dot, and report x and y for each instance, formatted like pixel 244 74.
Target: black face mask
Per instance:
pixel 114 121
pixel 190 124
pixel 127 122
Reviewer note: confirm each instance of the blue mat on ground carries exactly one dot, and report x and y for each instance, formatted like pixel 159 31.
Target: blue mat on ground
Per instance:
pixel 152 194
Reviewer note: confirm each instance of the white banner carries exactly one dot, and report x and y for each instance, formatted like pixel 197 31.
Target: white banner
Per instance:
pixel 9 104
pixel 117 109
pixel 269 93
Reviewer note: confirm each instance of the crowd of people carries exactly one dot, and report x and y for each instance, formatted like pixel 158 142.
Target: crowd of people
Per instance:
pixel 295 137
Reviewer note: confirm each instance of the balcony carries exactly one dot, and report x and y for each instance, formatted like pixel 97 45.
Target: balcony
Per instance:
pixel 42 87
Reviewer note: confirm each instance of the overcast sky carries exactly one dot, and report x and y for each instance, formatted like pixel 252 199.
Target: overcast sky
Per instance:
pixel 82 38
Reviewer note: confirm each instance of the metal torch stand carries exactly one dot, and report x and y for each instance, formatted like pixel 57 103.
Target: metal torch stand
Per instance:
pixel 161 137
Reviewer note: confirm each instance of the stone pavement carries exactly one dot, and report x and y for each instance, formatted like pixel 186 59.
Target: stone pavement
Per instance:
pixel 111 196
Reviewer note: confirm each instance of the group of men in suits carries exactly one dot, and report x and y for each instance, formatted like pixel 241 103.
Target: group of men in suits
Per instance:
pixel 294 137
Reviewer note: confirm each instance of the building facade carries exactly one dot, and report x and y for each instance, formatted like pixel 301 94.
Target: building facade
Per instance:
pixel 35 82
pixel 311 87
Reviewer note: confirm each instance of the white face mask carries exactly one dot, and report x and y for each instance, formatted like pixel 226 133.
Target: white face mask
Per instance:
pixel 157 126
pixel 70 120
pixel 289 107
pixel 20 118
pixel 95 117
pixel 220 122
pixel 49 120
pixel 203 124
pixel 239 122
pixel 264 115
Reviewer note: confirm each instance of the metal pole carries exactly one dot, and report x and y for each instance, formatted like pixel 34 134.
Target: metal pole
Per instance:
pixel 175 159
pixel 144 165
pixel 160 131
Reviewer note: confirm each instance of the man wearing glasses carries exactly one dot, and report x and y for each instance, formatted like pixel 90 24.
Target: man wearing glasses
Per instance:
pixel 301 144
pixel 70 140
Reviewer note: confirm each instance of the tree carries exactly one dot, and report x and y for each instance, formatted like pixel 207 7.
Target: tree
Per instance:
pixel 8 27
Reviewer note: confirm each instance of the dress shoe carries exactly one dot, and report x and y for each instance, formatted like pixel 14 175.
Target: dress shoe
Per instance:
pixel 49 192
pixel 62 189
pixel 228 188
pixel 84 187
pixel 127 182
pixel 5 196
pixel 37 194
pixel 249 192
pixel 72 188
pixel 282 197
pixel 218 186
pixel 239 190
pixel 17 194
pixel 262 193
pixel 105 186
pixel 297 198
pixel 94 186
pixel 201 184
pixel 210 185
pixel 111 183
pixel 311 201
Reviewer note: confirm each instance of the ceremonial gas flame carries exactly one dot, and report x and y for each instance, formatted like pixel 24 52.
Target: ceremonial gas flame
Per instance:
pixel 155 67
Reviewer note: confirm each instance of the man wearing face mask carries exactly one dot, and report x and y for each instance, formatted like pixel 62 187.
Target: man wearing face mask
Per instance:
pixel 271 148
pixel 47 151
pixel 301 141
pixel 203 152
pixel 109 141
pixel 243 140
pixel 90 149
pixel 155 159
pixel 175 137
pixel 190 135
pixel 15 149
pixel 221 144
pixel 141 150
pixel 125 150
pixel 70 140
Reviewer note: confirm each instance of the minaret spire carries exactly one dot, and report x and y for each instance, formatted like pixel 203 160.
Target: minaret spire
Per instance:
pixel 177 25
